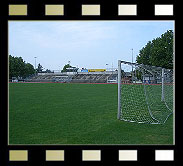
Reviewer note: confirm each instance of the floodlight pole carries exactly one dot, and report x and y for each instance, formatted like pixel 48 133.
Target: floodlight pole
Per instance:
pixel 35 64
pixel 132 65
pixel 162 85
pixel 112 68
pixel 119 89
pixel 106 66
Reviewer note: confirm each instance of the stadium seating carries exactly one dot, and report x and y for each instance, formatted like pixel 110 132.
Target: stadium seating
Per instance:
pixel 76 78
pixel 90 78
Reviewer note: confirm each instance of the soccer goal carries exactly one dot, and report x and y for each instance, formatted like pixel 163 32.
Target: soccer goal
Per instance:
pixel 145 93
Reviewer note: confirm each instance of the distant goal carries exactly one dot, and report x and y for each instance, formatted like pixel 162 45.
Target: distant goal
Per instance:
pixel 145 93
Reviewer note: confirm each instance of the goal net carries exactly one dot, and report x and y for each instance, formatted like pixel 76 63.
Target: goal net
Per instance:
pixel 145 93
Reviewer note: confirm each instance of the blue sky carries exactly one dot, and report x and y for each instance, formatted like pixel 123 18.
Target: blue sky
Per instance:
pixel 88 44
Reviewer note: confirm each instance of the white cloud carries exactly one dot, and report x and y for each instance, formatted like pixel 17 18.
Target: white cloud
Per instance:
pixel 62 34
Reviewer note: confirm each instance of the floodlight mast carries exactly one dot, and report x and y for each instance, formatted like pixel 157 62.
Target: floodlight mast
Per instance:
pixel 132 65
pixel 119 89
pixel 162 84
pixel 35 64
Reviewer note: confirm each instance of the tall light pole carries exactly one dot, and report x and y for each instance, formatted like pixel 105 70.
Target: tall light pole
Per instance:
pixel 35 64
pixel 132 65
pixel 106 66
pixel 112 68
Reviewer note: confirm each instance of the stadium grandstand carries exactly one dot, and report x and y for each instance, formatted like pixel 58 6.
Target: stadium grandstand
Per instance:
pixel 79 76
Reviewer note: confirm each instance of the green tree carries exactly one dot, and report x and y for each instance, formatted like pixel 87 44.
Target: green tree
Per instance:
pixel 39 68
pixel 29 69
pixel 158 52
pixel 65 67
pixel 18 67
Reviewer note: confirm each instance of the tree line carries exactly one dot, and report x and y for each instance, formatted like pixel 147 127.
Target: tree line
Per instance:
pixel 19 68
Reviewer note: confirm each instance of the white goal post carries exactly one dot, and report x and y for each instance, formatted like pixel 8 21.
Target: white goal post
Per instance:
pixel 145 93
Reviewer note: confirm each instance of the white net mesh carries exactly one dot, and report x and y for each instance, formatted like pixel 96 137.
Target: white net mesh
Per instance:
pixel 146 93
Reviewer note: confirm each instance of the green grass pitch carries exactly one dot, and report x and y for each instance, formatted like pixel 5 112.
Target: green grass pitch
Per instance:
pixel 54 113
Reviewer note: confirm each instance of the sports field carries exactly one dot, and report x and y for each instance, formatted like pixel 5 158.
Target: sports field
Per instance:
pixel 56 113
